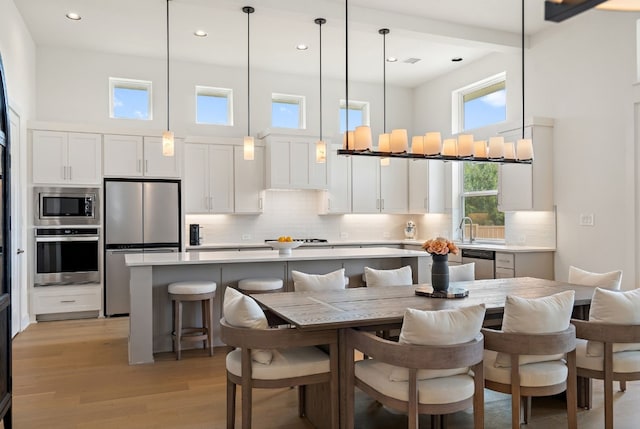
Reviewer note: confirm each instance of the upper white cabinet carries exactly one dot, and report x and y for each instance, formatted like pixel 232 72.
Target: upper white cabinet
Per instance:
pixel 135 156
pixel 291 163
pixel 529 186
pixel 208 178
pixel 379 189
pixel 248 179
pixel 394 184
pixel 66 158
pixel 337 199
pixel 426 186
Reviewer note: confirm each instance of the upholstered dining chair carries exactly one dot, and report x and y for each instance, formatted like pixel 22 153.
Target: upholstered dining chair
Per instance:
pixel 462 273
pixel 609 280
pixel 273 358
pixel 335 280
pixel 394 277
pixel 534 353
pixel 435 368
pixel 609 344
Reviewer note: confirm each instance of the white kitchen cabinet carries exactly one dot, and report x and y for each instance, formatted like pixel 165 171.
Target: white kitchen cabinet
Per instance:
pixel 67 299
pixel 529 186
pixel 248 180
pixel 426 186
pixel 66 158
pixel 337 199
pixel 291 163
pixel 136 156
pixel 524 264
pixel 379 189
pixel 208 178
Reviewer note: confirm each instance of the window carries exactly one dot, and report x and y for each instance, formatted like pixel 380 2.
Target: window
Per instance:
pixel 479 104
pixel 130 99
pixel 287 111
pixel 480 200
pixel 358 114
pixel 214 105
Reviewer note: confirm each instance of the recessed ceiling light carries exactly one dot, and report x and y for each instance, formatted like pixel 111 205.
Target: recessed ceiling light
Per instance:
pixel 200 33
pixel 74 16
pixel 456 59
pixel 302 47
pixel 391 59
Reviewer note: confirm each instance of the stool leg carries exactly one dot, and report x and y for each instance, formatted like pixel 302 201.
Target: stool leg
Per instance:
pixel 205 319
pixel 178 330
pixel 173 323
pixel 210 325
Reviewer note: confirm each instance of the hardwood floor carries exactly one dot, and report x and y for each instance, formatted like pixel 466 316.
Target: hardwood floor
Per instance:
pixel 74 374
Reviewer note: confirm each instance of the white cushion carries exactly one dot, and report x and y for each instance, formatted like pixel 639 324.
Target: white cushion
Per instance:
pixel 462 273
pixel 628 361
pixel 242 311
pixel 398 277
pixel 191 287
pixel 318 282
pixel 436 328
pixel 536 316
pixel 621 308
pixel 260 284
pixel 535 374
pixel 286 363
pixel 433 391
pixel 610 280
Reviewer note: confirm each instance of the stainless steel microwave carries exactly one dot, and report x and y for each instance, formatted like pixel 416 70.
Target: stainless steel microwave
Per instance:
pixel 66 206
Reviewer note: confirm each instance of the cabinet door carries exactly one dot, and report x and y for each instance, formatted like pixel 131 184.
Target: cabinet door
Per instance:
pixel 338 196
pixel 248 181
pixel 196 178
pixel 299 164
pixel 365 184
pixel 515 181
pixel 426 186
pixel 85 158
pixel 158 165
pixel 221 178
pixel 394 193
pixel 49 157
pixel 278 162
pixel 318 172
pixel 122 156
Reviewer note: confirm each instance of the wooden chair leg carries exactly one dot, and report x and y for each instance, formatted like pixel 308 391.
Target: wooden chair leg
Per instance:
pixel 515 393
pixel 608 385
pixel 231 404
pixel 526 405
pixel 302 399
pixel 478 396
pixel 623 386
pixel 246 407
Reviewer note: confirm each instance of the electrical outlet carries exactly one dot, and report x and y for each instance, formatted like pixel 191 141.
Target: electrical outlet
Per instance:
pixel 246 237
pixel 587 219
pixel 344 235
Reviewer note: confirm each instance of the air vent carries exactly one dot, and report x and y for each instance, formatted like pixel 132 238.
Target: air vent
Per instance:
pixel 411 60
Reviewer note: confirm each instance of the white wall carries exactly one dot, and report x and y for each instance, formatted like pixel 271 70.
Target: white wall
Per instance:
pixel 73 87
pixel 580 73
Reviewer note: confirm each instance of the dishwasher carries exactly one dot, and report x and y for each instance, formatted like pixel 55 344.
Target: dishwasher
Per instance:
pixel 484 260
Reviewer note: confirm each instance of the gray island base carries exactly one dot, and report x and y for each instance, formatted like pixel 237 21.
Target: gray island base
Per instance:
pixel 150 318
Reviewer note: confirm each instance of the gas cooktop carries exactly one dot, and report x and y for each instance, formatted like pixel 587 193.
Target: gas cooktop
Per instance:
pixel 304 240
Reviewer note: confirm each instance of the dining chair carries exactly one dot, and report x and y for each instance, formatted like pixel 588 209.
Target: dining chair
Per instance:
pixel 416 377
pixel 462 273
pixel 609 280
pixel 395 277
pixel 335 280
pixel 274 358
pixel 534 353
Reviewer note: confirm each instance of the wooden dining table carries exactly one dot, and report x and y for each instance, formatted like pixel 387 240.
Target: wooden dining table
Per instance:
pixel 384 307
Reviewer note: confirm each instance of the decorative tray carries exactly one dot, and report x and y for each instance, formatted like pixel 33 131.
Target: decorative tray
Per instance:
pixel 451 293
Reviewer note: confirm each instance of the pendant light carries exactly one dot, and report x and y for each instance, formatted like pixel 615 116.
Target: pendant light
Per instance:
pixel 384 138
pixel 524 148
pixel 167 136
pixel 349 136
pixel 321 146
pixel 248 139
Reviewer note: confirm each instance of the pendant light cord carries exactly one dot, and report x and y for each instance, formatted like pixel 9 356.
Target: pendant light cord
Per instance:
pixel 346 69
pixel 522 40
pixel 248 11
pixel 168 95
pixel 384 32
pixel 320 21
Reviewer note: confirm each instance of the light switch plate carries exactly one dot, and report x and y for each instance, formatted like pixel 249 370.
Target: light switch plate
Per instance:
pixel 587 219
pixel 246 237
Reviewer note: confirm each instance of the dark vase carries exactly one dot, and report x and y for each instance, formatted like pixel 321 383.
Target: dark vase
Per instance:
pixel 440 272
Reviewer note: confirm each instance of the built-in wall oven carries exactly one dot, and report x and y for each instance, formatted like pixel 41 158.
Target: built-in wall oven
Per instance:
pixel 67 256
pixel 66 206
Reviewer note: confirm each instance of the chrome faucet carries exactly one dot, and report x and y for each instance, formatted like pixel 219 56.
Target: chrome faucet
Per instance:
pixel 461 227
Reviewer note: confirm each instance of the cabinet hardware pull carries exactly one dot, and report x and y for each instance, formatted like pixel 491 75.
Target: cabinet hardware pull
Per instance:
pixel 70 173
pixel 64 173
pixel 68 301
pixel 139 166
pixel 20 251
pixel 260 203
pixel 146 166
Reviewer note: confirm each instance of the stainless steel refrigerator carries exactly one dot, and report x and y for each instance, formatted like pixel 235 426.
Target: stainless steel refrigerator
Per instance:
pixel 139 216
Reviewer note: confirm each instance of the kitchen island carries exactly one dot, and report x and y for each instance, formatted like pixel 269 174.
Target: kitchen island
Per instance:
pixel 150 322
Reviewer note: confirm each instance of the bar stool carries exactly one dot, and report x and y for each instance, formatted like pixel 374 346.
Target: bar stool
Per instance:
pixel 203 291
pixel 260 285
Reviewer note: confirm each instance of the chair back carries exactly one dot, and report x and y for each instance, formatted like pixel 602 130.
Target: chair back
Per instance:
pixel 462 273
pixel 609 280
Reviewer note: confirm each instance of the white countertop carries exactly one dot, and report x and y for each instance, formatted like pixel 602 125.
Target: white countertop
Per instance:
pixel 234 257
pixel 484 246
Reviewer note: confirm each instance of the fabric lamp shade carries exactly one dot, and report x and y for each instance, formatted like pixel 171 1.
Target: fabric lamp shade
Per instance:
pixel 465 145
pixel 432 143
pixel 496 147
pixel 348 139
pixel 417 145
pixel 248 148
pixel 321 152
pixel 450 147
pixel 384 141
pixel 363 139
pixel 399 141
pixel 167 143
pixel 509 150
pixel 480 149
pixel 524 150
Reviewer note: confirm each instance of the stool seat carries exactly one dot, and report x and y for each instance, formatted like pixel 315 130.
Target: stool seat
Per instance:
pixel 260 285
pixel 192 287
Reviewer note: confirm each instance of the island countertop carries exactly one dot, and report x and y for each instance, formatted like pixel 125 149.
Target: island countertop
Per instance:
pixel 231 257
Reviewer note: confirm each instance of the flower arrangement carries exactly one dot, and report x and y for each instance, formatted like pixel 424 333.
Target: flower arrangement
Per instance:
pixel 440 246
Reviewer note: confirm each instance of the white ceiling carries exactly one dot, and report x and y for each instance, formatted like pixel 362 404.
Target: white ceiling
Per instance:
pixel 432 30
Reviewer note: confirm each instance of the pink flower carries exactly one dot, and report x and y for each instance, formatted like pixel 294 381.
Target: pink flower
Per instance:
pixel 440 246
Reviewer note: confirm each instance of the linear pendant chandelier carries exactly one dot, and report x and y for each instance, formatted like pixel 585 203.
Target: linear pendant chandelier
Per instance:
pixel 430 146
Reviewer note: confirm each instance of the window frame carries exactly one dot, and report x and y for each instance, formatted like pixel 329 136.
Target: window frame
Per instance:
pixel 487 193
pixel 458 99
pixel 211 91
pixel 299 100
pixel 137 84
pixel 363 106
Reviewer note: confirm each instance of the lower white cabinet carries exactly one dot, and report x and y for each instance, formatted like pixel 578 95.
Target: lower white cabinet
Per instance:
pixel 524 264
pixel 66 299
